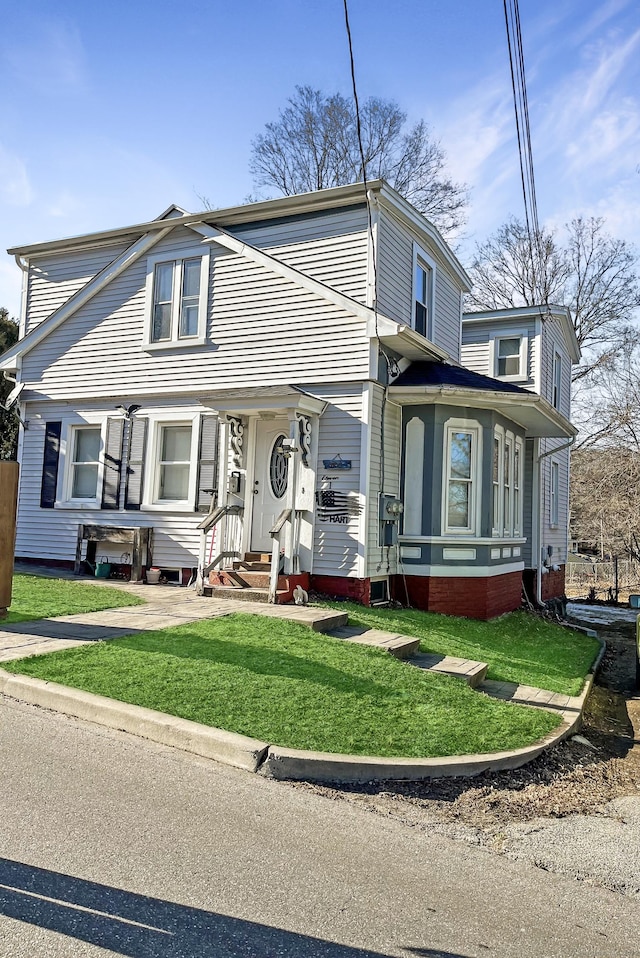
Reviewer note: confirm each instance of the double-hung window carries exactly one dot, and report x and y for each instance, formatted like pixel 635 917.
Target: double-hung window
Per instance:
pixel 173 462
pixel 510 357
pixel 84 464
pixel 423 292
pixel 461 478
pixel 496 477
pixel 177 299
pixel 517 487
pixel 508 486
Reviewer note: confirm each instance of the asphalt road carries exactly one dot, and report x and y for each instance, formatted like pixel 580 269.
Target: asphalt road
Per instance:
pixel 113 846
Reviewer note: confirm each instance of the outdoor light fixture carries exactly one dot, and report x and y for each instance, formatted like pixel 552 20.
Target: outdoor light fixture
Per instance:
pixel 128 411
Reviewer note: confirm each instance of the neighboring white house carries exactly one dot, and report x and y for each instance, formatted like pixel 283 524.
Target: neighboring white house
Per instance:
pixel 303 368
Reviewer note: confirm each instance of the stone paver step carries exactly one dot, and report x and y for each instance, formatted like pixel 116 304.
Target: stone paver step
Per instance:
pixel 400 646
pixel 529 695
pixel 470 671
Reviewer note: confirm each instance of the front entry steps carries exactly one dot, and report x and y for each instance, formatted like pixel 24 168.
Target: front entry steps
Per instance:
pixel 249 578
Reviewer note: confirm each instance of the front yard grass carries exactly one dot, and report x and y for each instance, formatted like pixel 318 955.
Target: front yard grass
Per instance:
pixel 518 647
pixel 280 682
pixel 39 597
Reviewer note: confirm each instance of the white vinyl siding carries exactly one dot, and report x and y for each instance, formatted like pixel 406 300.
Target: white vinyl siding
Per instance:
pixel 395 262
pixel 379 558
pixel 336 544
pixel 51 534
pixel 262 329
pixel 54 277
pixel 481 348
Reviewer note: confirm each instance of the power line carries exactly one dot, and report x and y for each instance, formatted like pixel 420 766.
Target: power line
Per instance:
pixel 523 130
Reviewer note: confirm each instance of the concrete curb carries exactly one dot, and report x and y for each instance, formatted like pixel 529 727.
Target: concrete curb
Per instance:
pixel 226 747
pixel 273 761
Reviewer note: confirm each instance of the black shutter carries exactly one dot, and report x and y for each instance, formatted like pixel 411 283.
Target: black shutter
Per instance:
pixel 135 466
pixel 112 464
pixel 50 462
pixel 207 461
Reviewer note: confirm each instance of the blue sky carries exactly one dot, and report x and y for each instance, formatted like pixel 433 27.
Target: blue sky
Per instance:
pixel 111 112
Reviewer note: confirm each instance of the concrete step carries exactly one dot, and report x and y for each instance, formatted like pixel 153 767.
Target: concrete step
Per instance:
pixel 238 592
pixel 250 566
pixel 245 579
pixel 400 646
pixel 473 673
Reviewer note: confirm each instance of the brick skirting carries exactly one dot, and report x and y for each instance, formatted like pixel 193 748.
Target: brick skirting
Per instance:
pixel 474 598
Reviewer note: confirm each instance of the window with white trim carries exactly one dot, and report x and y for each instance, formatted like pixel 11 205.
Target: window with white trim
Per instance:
pixel 177 299
pixel 557 380
pixel 173 463
pixel 555 493
pixel 510 357
pixel 462 484
pixel 423 292
pixel 496 477
pixel 518 453
pixel 84 444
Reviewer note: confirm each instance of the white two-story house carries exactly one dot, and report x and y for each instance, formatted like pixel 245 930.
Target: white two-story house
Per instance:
pixel 271 395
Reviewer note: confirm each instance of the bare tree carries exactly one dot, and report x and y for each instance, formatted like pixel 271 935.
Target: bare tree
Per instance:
pixel 605 500
pixel 314 145
pixel 592 273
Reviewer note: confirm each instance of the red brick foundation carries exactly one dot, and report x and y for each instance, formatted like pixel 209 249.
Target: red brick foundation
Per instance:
pixel 344 586
pixel 474 598
pixel 553 584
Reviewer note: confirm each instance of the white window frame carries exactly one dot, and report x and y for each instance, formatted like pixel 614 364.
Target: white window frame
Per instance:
pixel 420 255
pixel 473 427
pixel 554 494
pixel 556 386
pixel 151 500
pixel 177 258
pixel 518 487
pixel 496 487
pixel 507 490
pixel 65 498
pixel 523 373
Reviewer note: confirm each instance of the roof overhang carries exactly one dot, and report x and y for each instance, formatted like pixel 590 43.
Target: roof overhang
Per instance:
pixel 536 416
pixel 261 400
pixel 404 340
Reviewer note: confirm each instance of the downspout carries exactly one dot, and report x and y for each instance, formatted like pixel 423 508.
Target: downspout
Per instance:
pixel 539 562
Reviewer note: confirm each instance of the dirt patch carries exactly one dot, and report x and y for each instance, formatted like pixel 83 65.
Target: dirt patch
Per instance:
pixel 571 778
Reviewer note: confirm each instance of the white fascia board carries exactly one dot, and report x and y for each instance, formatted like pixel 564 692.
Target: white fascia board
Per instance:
pixel 78 300
pixel 395 203
pixel 533 408
pixel 316 201
pixel 214 234
pixel 405 340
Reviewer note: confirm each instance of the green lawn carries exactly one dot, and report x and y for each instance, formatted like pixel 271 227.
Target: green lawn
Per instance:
pixel 38 597
pixel 518 647
pixel 282 683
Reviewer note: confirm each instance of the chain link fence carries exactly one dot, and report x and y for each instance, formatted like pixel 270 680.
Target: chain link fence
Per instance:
pixel 602 578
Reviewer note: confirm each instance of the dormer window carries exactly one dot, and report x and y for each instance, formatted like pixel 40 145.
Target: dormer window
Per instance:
pixel 510 357
pixel 423 292
pixel 177 299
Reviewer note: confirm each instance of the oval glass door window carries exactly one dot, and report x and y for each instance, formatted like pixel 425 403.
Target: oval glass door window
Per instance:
pixel 278 468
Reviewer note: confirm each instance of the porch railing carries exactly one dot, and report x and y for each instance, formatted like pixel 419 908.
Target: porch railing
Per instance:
pixel 209 523
pixel 276 548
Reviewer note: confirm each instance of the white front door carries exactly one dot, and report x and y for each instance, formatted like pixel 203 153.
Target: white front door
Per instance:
pixel 270 482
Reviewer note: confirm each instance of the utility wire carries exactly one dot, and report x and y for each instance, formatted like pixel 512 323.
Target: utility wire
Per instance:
pixel 372 239
pixel 525 150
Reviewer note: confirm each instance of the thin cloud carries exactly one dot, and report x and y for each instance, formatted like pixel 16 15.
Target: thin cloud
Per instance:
pixel 15 187
pixel 51 61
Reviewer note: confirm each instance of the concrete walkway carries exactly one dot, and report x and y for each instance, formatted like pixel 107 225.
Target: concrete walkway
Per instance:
pixel 169 606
